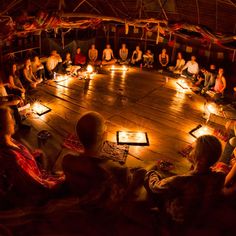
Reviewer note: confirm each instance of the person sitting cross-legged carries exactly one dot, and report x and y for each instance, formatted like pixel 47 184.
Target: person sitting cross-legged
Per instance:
pixel 202 76
pixel 15 86
pixel 191 69
pixel 93 56
pixel 148 59
pixel 29 79
pixel 210 79
pixel 180 62
pixel 108 56
pixel 13 101
pixel 89 176
pixel 53 64
pixel 163 59
pixel 67 63
pixel 137 57
pixel 185 198
pixel 80 58
pixel 123 53
pixel 21 179
pixel 220 85
pixel 38 68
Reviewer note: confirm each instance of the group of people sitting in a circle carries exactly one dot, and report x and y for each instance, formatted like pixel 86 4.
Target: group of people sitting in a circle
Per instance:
pixel 104 183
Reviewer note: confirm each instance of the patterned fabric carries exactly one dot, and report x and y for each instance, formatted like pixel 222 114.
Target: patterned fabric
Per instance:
pixel 183 197
pixel 14 160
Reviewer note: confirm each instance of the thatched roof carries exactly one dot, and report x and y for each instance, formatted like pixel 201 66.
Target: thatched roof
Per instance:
pixel 213 20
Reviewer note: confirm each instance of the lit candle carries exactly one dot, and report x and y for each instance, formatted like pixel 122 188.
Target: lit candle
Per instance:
pixel 89 69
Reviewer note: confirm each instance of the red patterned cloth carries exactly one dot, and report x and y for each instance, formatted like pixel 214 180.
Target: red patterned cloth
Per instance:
pixel 19 160
pixel 80 59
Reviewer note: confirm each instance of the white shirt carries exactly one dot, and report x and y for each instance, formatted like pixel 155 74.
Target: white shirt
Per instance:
pixel 107 54
pixel 192 67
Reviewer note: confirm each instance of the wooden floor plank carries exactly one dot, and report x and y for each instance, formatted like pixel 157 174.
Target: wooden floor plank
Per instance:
pixel 139 100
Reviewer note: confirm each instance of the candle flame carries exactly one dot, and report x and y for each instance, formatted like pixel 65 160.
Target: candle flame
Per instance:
pixel 89 69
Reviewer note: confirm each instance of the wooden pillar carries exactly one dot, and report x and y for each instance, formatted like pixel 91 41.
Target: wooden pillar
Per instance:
pixel 145 43
pixel 1 52
pixel 209 54
pixel 233 58
pixel 173 50
pixel 116 40
pixel 40 43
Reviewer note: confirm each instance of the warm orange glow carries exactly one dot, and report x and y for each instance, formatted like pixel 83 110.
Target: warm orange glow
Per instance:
pixel 39 108
pixel 89 69
pixel 134 137
pixel 211 108
pixel 119 68
pixel 202 131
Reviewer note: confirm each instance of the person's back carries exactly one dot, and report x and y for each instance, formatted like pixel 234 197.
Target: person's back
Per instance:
pixel 87 174
pixel 185 198
pixel 82 173
pixel 188 197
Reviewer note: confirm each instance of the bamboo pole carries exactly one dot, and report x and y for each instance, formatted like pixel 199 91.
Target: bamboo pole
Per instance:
pixel 137 22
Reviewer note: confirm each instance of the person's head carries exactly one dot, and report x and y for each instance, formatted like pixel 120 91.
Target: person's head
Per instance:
pixel 7 123
pixel 123 45
pixel 148 51
pixel 108 46
pixel 137 48
pixel 206 152
pixel 93 46
pixel 78 50
pixel 221 71
pixel 193 58
pixel 212 67
pixel 36 59
pixel 53 53
pixel 163 51
pixel 179 55
pixel 27 62
pixel 14 68
pixel 67 56
pixel 91 130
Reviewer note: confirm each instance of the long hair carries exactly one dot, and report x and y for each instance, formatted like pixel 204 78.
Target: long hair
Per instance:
pixel 207 151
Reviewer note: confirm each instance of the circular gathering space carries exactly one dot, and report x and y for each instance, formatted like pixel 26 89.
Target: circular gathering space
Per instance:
pixel 134 100
pixel 117 118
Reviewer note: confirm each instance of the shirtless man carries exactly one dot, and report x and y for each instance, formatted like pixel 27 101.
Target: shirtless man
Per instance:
pixel 108 56
pixel 137 56
pixel 93 55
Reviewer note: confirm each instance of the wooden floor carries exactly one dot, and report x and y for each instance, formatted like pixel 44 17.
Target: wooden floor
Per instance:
pixel 138 100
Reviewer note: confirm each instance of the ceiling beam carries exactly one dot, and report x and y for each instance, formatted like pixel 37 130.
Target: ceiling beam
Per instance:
pixel 10 6
pixel 137 22
pixel 162 8
pixel 198 13
pixel 78 5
